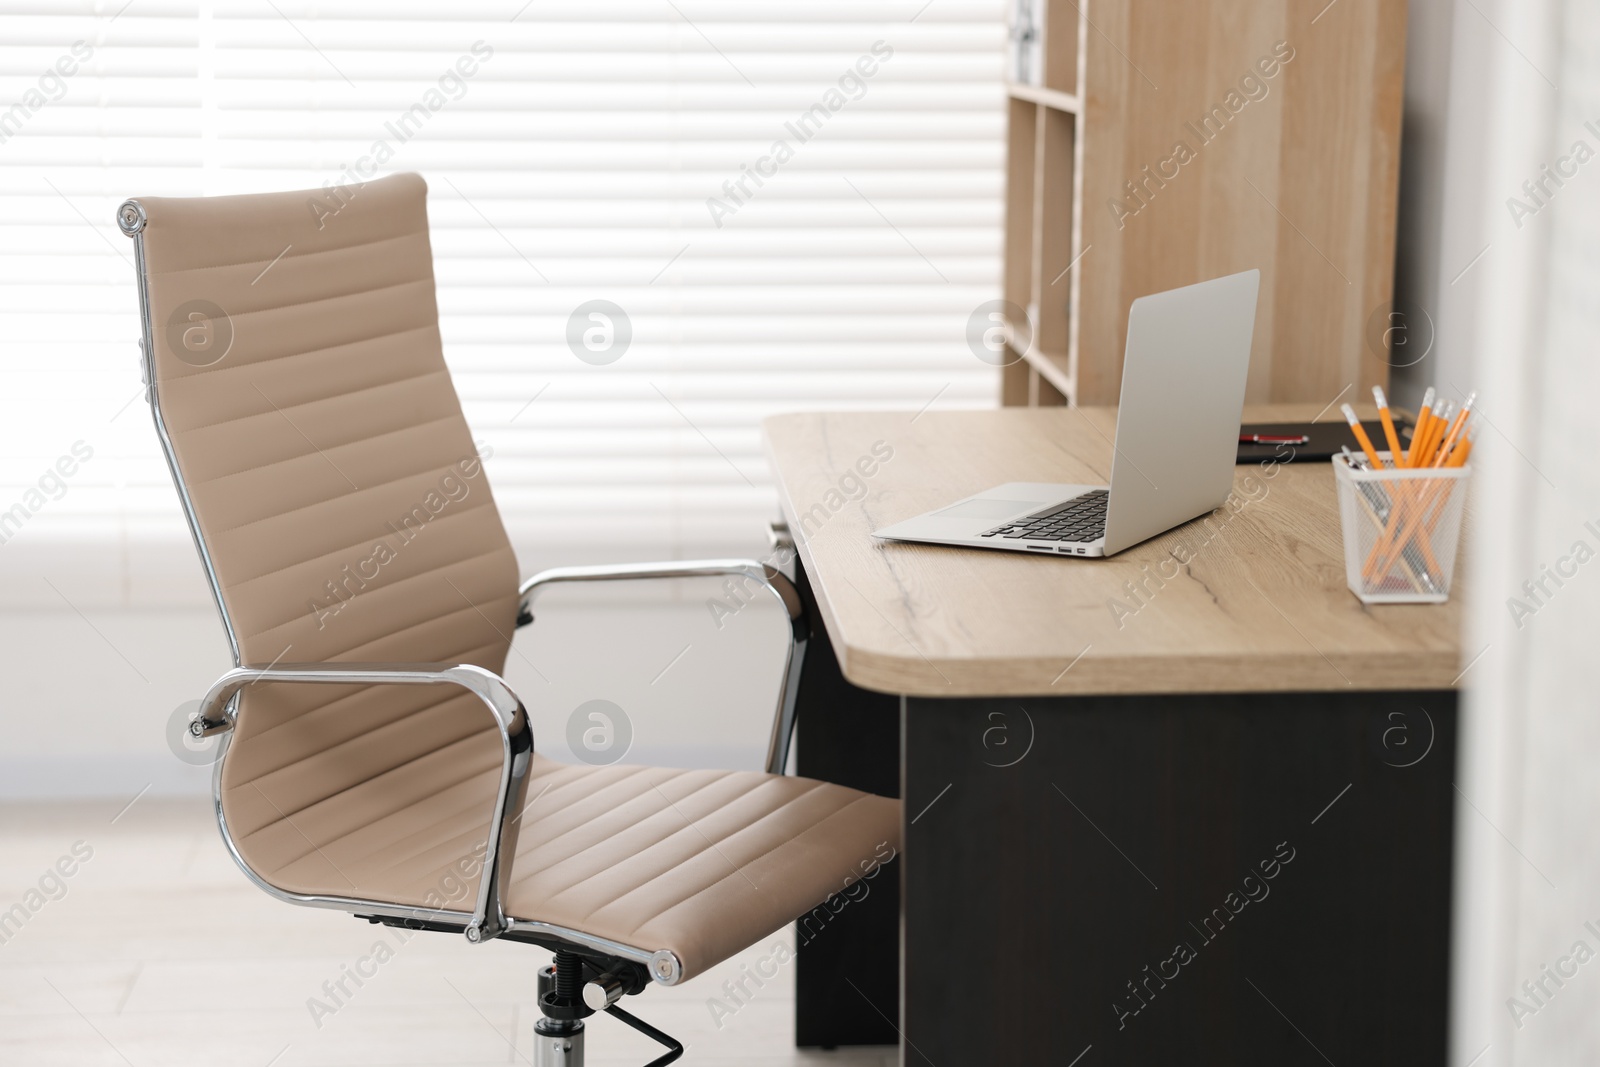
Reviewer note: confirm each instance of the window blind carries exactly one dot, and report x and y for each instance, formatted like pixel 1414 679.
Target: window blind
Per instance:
pixel 654 223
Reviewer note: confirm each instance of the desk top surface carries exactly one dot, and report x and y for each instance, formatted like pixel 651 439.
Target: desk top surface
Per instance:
pixel 1261 605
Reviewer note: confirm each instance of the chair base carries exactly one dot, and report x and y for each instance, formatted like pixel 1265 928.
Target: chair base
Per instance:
pixel 558 1034
pixel 559 1031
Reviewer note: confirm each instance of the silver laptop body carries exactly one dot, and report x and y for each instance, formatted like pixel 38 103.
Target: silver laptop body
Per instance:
pixel 1183 381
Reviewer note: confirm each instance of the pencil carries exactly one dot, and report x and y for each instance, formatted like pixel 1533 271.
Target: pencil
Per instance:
pixel 1456 428
pixel 1371 499
pixel 1383 556
pixel 1422 457
pixel 1422 424
pixel 1361 436
pixel 1458 458
pixel 1442 438
pixel 1388 425
pixel 1408 497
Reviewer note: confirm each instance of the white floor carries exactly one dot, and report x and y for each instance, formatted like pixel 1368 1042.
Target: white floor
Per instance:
pixel 156 952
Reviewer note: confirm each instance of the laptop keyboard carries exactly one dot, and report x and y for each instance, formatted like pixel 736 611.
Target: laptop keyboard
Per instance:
pixel 1081 519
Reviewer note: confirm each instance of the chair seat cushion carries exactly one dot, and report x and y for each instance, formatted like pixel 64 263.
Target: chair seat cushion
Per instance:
pixel 700 862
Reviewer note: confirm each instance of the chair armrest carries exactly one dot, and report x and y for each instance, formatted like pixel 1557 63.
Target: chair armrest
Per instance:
pixel 218 714
pixel 759 573
pixel 752 572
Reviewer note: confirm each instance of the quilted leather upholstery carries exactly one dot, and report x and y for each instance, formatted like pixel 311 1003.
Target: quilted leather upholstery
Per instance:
pixel 343 505
pixel 702 862
pixel 315 439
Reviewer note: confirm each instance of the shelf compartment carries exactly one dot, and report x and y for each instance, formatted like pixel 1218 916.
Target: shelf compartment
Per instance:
pixel 1062 26
pixel 1053 205
pixel 1022 138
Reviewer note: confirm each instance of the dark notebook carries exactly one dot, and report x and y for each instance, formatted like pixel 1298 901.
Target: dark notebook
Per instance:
pixel 1326 439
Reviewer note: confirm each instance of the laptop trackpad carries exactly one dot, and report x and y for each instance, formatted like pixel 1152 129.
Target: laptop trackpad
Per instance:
pixel 988 508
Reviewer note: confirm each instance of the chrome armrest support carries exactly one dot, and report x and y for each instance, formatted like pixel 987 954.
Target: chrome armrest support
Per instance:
pixel 218 712
pixel 751 574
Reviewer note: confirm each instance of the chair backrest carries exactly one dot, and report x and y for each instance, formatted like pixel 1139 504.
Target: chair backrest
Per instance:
pixel 336 495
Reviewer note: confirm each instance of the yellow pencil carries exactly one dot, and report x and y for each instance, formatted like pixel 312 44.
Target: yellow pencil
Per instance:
pixel 1388 425
pixel 1361 436
pixel 1424 439
pixel 1383 555
pixel 1447 418
pixel 1458 458
pixel 1456 428
pixel 1422 424
pixel 1422 457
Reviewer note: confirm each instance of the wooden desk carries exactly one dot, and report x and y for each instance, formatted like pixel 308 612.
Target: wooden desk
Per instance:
pixel 1094 761
pixel 1261 606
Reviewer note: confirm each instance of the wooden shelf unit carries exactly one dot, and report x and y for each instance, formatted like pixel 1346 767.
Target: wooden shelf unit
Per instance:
pixel 1291 125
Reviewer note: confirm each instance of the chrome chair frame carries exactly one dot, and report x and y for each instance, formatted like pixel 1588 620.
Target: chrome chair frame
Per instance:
pixel 219 710
pixel 218 714
pixel 762 574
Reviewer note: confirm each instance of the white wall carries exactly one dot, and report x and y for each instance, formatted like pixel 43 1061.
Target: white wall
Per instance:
pixel 91 691
pixel 1528 874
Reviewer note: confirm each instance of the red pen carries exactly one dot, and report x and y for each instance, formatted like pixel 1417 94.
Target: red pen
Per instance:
pixel 1274 439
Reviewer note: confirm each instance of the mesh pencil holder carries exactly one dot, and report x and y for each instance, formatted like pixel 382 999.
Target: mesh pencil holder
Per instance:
pixel 1401 529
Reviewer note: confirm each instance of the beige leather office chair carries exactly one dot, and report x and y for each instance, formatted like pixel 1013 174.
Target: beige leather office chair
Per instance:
pixel 374 761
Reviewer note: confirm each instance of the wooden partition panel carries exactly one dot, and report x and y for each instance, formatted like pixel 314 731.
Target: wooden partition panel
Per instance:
pixel 1202 139
pixel 1056 245
pixel 1221 135
pixel 1022 135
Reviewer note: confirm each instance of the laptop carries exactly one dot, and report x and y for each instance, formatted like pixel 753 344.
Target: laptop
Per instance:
pixel 1183 380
